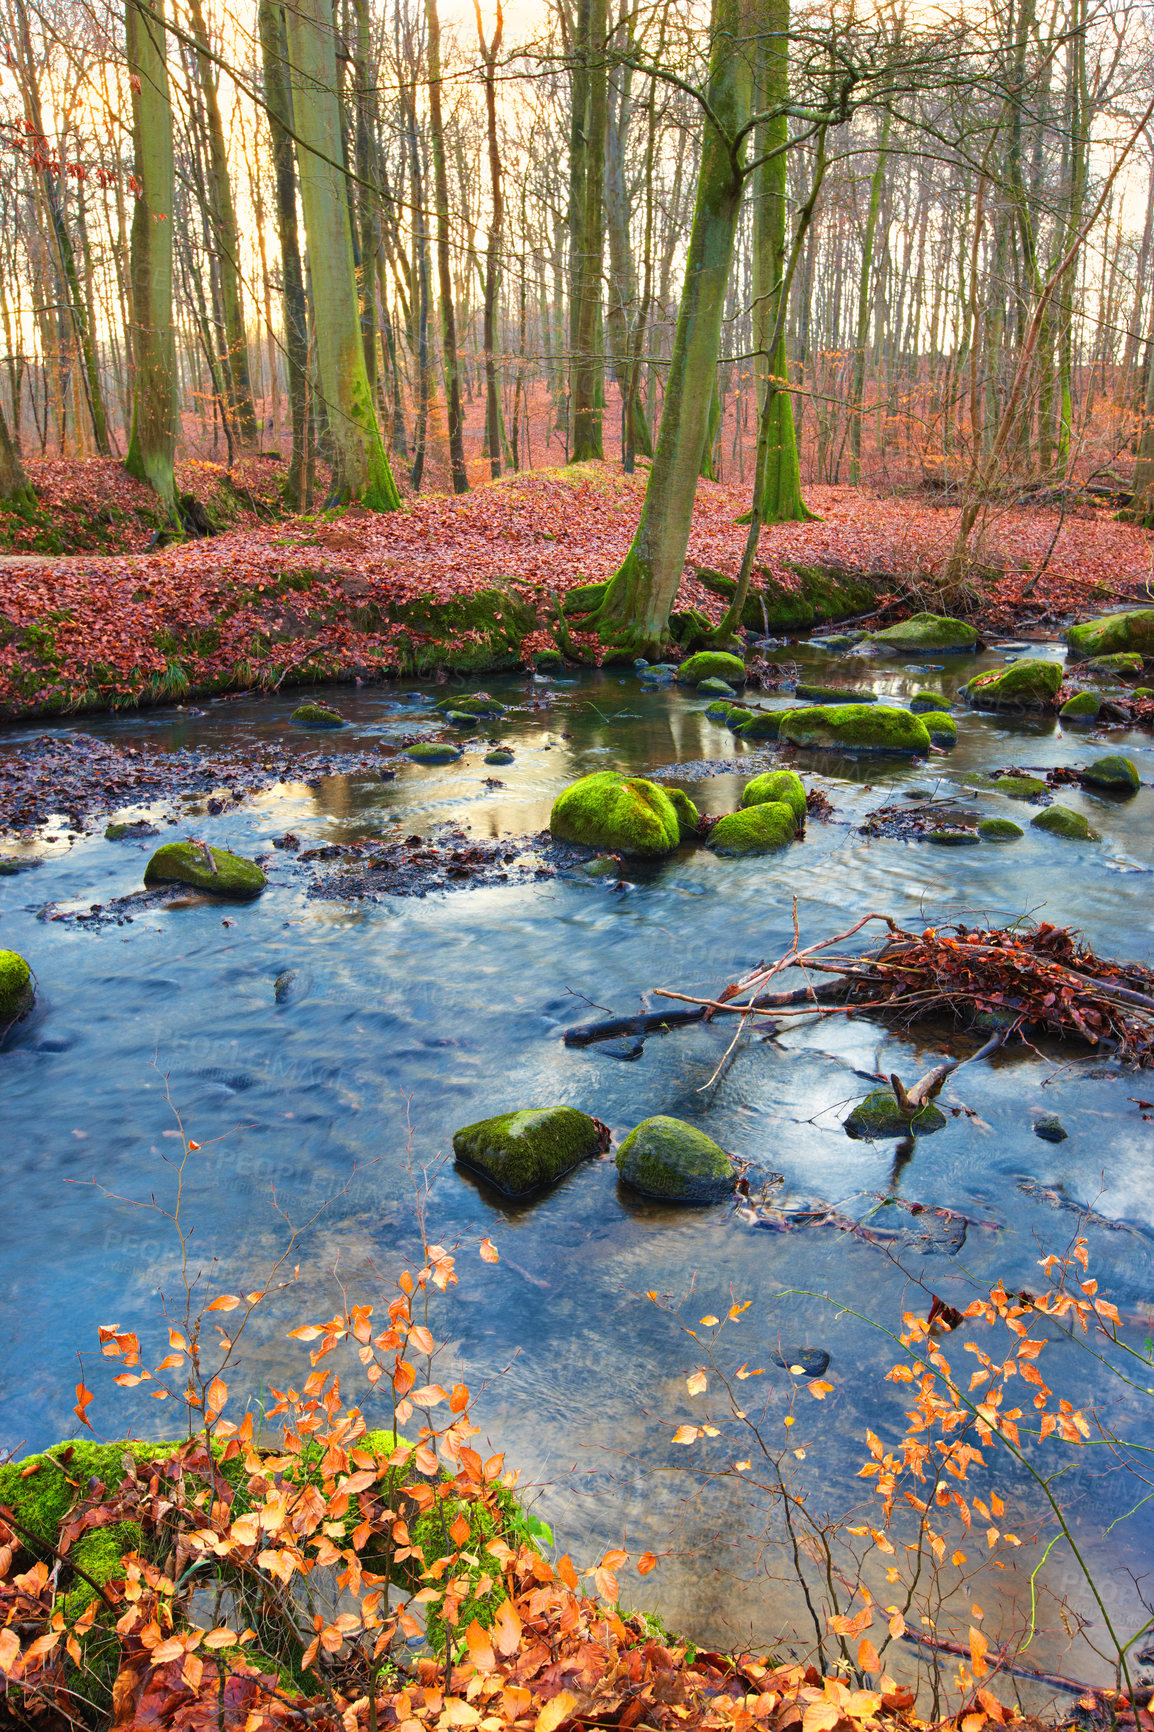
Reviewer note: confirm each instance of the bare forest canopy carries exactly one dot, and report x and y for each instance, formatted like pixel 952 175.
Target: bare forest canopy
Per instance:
pixel 390 250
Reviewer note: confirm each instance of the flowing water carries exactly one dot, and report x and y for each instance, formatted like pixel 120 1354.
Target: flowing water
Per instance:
pixel 413 1016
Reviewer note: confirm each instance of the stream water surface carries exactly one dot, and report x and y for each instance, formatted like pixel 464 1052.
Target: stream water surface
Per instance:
pixel 412 1016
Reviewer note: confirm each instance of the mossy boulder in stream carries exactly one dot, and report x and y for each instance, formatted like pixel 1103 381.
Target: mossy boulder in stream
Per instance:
pixel 620 814
pixel 476 704
pixel 755 830
pixel 1061 821
pixel 209 869
pixel 856 728
pixel 1082 707
pixel 879 1116
pixel 433 752
pixel 317 716
pixel 1133 630
pixel 687 813
pixel 1000 830
pixel 521 1151
pixel 835 695
pixel 928 631
pixel 737 717
pixel 1024 685
pixel 756 724
pixel 712 665
pixel 718 710
pixel 715 688
pixel 776 785
pixel 928 703
pixel 673 1161
pixel 942 729
pixel 1125 662
pixel 499 755
pixel 1115 772
pixel 17 993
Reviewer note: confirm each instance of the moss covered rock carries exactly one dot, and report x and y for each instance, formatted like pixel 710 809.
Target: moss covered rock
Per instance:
pixel 757 829
pixel 499 755
pixel 17 992
pixel 856 728
pixel 433 752
pixel 737 716
pixel 942 729
pixel 1133 631
pixel 835 695
pixel 687 813
pixel 714 688
pixel 1125 662
pixel 461 720
pixel 476 704
pixel 712 665
pixel 784 786
pixel 1019 787
pixel 1024 685
pixel 317 716
pixel 626 815
pixel 521 1151
pixel 1061 821
pixel 473 633
pixel 952 838
pixel 1082 707
pixel 756 724
pixel 666 1158
pixel 879 1116
pixel 928 703
pixel 718 710
pixel 209 869
pixel 928 631
pixel 1113 771
pixel 1000 830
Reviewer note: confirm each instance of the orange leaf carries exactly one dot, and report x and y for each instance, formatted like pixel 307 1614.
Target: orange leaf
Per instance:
pixel 556 1712
pixel 979 1647
pixel 489 1252
pixel 645 1563
pixel 83 1403
pixel 226 1302
pixel 507 1627
pixel 686 1434
pixel 867 1656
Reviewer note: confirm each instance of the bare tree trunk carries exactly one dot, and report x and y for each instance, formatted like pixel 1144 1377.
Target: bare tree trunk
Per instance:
pixel 444 266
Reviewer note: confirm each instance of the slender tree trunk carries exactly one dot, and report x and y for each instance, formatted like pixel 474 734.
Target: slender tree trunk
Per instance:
pixel 278 100
pixel 360 466
pixel 152 442
pixel 444 264
pixel 865 297
pixel 489 53
pixel 15 487
pixel 587 397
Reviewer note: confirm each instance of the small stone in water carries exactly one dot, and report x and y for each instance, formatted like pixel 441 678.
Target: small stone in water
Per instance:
pixel 802 1361
pixel 628 1048
pixel 1050 1129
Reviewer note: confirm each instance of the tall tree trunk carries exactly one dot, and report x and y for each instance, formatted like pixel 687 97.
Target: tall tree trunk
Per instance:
pixel 15 487
pixel 489 53
pixel 444 264
pixel 635 611
pixel 278 101
pixel 586 394
pixel 360 466
pixel 864 301
pixel 152 442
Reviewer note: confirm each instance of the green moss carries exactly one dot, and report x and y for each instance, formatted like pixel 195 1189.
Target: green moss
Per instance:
pixel 713 688
pixel 501 755
pixel 584 598
pixel 317 716
pixel 16 990
pixel 475 633
pixel 760 725
pixel 620 814
pixel 666 1158
pixel 719 710
pixel 1083 706
pixel 1000 830
pixel 549 658
pixel 1024 685
pixel 927 703
pixel 769 606
pixel 856 728
pixel 760 829
pixel 954 838
pixel 942 729
pixel 460 719
pixel 879 1116
pixel 780 785
pixel 478 704
pixel 1113 771
pixel 928 631
pixel 1060 821
pixel 433 752
pixel 687 813
pixel 1125 662
pixel 184 863
pixel 521 1151
pixel 739 717
pixel 835 695
pixel 1133 630
pixel 712 664
pixel 832 592
pixel 1019 787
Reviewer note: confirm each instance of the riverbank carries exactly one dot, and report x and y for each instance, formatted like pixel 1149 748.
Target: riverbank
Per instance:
pixel 475 586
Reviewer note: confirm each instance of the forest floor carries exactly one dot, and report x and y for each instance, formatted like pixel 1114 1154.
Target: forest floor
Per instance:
pixel 469 583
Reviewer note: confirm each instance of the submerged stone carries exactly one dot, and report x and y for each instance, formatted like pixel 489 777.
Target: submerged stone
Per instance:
pixel 687 813
pixel 1113 771
pixel 712 665
pixel 715 688
pixel 604 866
pixel 776 785
pixel 952 838
pixel 942 729
pixel 1024 685
pixel 317 716
pixel 433 752
pixel 128 832
pixel 803 1361
pixel 209 869
pixel 1019 787
pixel 1082 707
pixel 461 719
pixel 879 1115
pixel 17 994
pixel 757 724
pixel 499 755
pixel 1050 1128
pixel 856 728
pixel 668 1159
pixel 621 814
pixel 1061 821
pixel 521 1151
pixel 1132 630
pixel 477 704
pixel 928 631
pixel 835 695
pixel 1000 830
pixel 284 986
pixel 755 830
